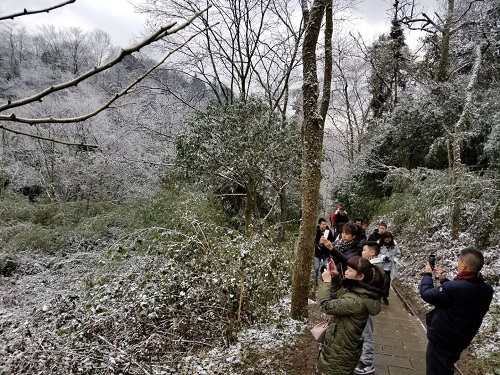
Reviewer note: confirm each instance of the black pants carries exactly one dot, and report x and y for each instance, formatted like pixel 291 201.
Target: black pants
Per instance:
pixel 387 283
pixel 440 359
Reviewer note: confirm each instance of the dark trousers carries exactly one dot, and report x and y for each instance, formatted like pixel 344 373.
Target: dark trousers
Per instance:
pixel 440 359
pixel 387 283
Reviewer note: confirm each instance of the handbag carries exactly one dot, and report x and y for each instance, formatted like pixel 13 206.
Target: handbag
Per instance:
pixel 319 330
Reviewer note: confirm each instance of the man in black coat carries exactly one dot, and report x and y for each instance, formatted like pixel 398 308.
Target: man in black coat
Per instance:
pixel 361 231
pixel 321 252
pixel 340 220
pixel 460 306
pixel 378 232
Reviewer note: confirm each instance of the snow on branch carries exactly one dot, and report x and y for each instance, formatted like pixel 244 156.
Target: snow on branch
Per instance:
pixel 36 136
pixel 164 31
pixel 128 89
pixel 28 12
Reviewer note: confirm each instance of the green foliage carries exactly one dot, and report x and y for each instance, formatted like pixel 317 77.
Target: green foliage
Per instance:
pixel 492 147
pixel 360 192
pixel 35 237
pixel 389 58
pixel 234 149
pixel 421 201
pixel 51 226
pixel 417 202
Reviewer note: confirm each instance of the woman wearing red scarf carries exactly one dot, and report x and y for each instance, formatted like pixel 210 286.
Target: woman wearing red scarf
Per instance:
pixel 460 306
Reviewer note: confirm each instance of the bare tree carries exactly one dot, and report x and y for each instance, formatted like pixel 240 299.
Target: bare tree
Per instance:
pixel 253 47
pixel 349 108
pixel 458 14
pixel 13 105
pixel 100 46
pixel 11 58
pixel 315 110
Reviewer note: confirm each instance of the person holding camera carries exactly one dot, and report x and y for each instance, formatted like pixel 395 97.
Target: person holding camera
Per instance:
pixel 324 237
pixel 348 245
pixel 357 296
pixel 459 308
pixel 371 250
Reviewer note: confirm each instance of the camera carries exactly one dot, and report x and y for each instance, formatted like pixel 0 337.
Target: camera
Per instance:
pixel 432 260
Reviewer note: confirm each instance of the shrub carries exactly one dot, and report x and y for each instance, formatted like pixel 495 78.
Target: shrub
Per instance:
pixel 159 294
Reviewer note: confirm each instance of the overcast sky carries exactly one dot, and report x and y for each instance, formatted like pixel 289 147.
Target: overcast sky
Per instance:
pixel 117 17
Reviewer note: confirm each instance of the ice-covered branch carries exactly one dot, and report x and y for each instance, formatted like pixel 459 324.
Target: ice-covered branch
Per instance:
pixel 128 89
pixel 26 12
pixel 36 136
pixel 74 82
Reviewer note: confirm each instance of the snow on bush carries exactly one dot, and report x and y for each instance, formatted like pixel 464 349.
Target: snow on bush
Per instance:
pixel 156 297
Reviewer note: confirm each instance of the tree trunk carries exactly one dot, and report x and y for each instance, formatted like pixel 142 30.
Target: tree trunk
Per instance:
pixel 312 144
pixel 457 142
pixel 444 59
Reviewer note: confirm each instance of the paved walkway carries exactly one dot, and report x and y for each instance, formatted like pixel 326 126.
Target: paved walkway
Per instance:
pixel 400 341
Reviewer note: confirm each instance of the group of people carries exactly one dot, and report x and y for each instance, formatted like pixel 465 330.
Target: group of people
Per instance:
pixel 353 278
pixel 349 241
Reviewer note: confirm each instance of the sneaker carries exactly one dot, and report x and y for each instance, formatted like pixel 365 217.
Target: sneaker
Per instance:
pixel 364 369
pixel 386 301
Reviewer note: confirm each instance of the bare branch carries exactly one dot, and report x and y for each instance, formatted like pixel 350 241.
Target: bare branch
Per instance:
pixel 468 9
pixel 124 92
pixel 31 135
pixel 164 31
pixel 28 12
pixel 426 21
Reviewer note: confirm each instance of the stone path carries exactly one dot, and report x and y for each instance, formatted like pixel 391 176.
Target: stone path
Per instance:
pixel 400 341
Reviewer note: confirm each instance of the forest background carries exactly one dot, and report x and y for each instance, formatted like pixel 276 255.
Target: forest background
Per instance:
pixel 152 208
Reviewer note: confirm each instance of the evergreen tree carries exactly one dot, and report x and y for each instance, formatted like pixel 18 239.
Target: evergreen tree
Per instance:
pixel 389 58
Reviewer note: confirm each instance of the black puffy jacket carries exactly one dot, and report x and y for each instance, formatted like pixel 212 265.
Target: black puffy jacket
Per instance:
pixel 460 306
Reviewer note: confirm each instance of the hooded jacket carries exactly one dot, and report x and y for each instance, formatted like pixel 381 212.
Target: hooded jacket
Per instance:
pixel 460 306
pixel 348 313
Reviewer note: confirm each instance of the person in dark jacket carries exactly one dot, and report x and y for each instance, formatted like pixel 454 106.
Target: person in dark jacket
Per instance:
pixel 323 236
pixel 377 232
pixel 341 218
pixel 361 231
pixel 348 245
pixel 460 306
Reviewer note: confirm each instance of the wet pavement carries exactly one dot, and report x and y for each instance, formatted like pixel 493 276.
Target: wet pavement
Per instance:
pixel 400 341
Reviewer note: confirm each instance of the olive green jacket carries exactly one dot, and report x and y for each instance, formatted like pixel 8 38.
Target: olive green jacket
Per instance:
pixel 348 314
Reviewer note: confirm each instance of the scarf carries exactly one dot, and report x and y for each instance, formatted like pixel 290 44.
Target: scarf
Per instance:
pixel 343 246
pixel 467 275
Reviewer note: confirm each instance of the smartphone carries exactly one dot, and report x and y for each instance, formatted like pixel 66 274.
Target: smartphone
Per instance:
pixel 326 233
pixel 432 261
